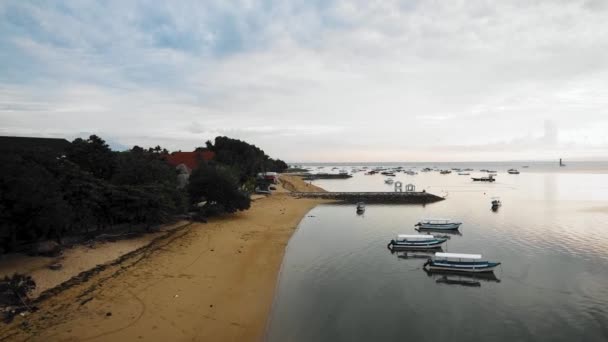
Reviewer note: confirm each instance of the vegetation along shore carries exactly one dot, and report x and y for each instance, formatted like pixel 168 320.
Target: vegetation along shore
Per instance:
pixel 210 276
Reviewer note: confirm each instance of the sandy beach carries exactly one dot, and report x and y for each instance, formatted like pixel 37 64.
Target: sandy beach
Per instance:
pixel 200 282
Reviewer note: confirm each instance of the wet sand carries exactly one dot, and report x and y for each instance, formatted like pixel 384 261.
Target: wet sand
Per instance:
pixel 204 282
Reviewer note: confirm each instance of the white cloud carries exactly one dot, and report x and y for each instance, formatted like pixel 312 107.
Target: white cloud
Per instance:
pixel 333 80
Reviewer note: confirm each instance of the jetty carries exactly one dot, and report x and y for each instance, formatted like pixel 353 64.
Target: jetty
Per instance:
pixel 409 197
pixel 314 176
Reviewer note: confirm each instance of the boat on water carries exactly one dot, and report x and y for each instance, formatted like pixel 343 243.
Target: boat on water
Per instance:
pixel 360 207
pixel 513 172
pixel 389 181
pixel 460 262
pixel 445 172
pixel 420 241
pixel 438 224
pixel 463 173
pixel 490 178
pixel 467 169
pixel 496 202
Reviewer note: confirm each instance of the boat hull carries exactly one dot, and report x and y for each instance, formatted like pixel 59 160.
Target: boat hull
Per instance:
pixel 436 226
pixel 417 244
pixel 467 267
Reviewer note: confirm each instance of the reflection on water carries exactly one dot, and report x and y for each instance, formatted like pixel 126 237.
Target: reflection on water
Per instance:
pixel 340 283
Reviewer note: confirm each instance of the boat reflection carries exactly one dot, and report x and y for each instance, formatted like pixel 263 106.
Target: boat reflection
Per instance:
pixel 418 254
pixel 462 279
pixel 429 231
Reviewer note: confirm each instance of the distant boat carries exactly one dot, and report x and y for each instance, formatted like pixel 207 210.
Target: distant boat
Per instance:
pixel 513 171
pixel 456 262
pixel 468 169
pixel 445 172
pixel 496 202
pixel 360 207
pixel 438 224
pixel 463 173
pixel 389 181
pixel 420 241
pixel 490 178
pixel 525 166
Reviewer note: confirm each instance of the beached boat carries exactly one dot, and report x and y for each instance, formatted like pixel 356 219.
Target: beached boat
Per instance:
pixel 420 241
pixel 457 262
pixel 490 178
pixel 438 224
pixel 513 172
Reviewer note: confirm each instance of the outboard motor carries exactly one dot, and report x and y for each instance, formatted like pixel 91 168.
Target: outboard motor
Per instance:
pixel 390 244
pixel 428 262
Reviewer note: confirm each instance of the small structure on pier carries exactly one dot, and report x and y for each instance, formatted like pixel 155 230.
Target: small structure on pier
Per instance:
pixel 398 186
pixel 410 188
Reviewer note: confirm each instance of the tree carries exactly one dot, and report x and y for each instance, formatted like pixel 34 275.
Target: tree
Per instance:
pixel 218 185
pixel 31 198
pixel 92 155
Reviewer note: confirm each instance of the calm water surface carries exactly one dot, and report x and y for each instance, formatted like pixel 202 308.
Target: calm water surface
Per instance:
pixel 340 283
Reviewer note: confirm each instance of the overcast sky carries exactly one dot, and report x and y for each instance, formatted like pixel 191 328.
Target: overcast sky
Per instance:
pixel 313 80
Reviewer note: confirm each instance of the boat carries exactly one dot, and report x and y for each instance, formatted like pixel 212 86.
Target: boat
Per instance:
pixel 343 172
pixel 490 178
pixel 460 262
pixel 420 241
pixel 445 172
pixel 525 166
pixel 496 202
pixel 389 181
pixel 468 169
pixel 360 207
pixel 463 173
pixel 513 171
pixel 438 224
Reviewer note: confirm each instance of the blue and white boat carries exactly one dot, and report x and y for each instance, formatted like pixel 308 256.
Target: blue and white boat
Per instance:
pixel 457 262
pixel 438 224
pixel 419 241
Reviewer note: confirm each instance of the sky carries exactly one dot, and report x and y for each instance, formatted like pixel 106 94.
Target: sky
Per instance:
pixel 314 80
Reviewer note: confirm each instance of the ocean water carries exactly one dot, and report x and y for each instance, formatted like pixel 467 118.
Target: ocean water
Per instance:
pixel 339 282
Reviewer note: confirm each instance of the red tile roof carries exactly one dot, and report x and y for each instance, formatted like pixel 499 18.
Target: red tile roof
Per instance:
pixel 190 159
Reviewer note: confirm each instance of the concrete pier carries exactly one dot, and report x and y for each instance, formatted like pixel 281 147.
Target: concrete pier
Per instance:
pixel 374 197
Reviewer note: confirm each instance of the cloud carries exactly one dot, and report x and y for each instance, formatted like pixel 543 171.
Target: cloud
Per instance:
pixel 354 79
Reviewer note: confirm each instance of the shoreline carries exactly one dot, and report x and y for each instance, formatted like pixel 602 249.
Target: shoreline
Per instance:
pixel 214 281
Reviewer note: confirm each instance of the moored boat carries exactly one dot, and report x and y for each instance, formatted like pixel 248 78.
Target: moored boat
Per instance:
pixel 513 172
pixel 490 178
pixel 360 206
pixel 438 224
pixel 389 181
pixel 457 262
pixel 496 202
pixel 420 241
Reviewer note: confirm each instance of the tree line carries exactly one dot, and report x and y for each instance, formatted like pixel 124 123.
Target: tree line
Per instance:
pixel 92 188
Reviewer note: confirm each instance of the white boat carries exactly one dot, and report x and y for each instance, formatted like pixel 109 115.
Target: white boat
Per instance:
pixel 459 262
pixel 438 224
pixel 419 241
